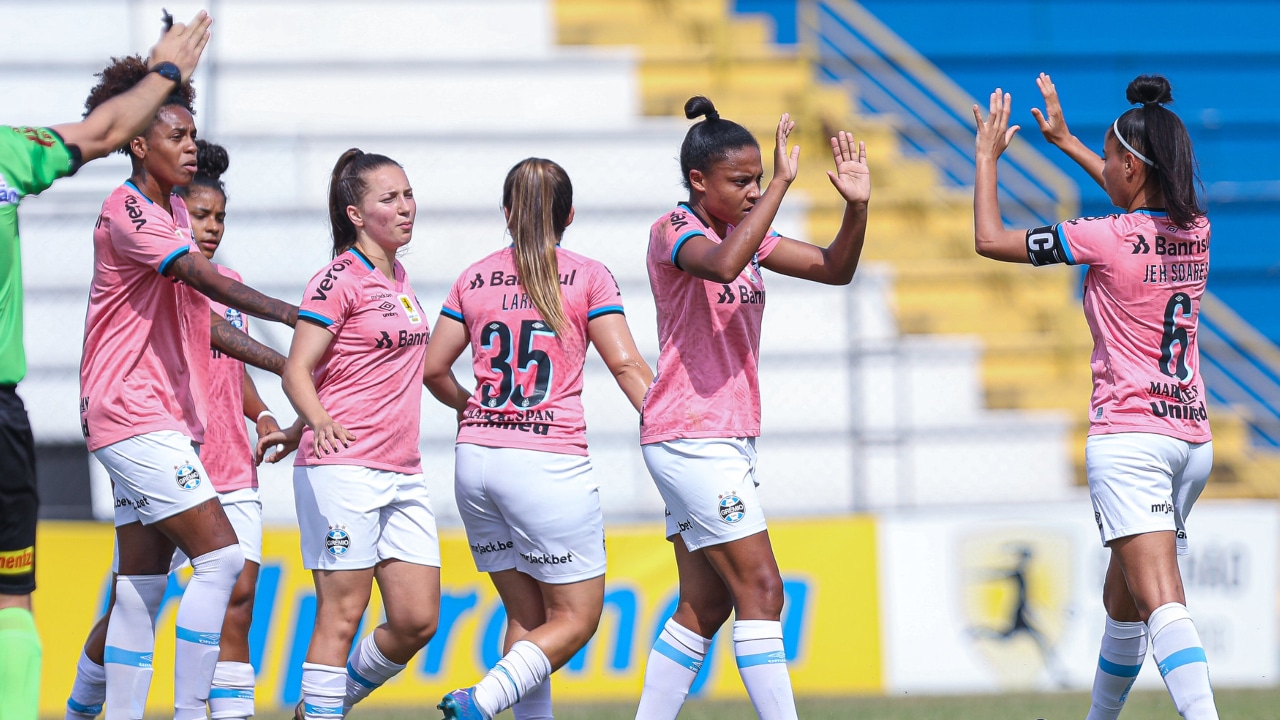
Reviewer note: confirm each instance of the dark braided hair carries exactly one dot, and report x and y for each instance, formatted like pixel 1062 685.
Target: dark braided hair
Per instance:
pixel 1158 133
pixel 121 75
pixel 710 140
pixel 211 161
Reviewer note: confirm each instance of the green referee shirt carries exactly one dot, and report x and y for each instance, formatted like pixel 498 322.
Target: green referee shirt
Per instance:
pixel 30 160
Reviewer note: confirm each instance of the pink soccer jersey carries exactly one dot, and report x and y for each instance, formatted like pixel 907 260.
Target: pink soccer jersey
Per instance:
pixel 707 384
pixel 226 452
pixel 529 380
pixel 146 338
pixel 1142 301
pixel 370 377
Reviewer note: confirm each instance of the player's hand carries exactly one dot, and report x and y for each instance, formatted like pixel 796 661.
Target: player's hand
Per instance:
pixel 284 442
pixel 330 437
pixel 852 177
pixel 785 165
pixel 1052 125
pixel 183 44
pixel 994 133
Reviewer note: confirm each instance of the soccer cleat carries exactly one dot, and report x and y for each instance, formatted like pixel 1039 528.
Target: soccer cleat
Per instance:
pixel 458 705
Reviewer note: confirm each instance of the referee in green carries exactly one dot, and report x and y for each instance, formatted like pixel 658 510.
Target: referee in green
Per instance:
pixel 31 159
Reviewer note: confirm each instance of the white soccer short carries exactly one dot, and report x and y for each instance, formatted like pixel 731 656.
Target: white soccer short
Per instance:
pixel 1144 482
pixel 536 512
pixel 709 486
pixel 155 476
pixel 244 509
pixel 353 517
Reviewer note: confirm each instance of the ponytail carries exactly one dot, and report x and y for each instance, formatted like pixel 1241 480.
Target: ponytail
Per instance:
pixel 1156 136
pixel 211 161
pixel 538 198
pixel 710 140
pixel 347 187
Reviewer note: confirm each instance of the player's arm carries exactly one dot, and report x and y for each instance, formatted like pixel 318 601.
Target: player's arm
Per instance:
pixel 990 238
pixel 123 117
pixel 236 343
pixel 195 270
pixel 310 341
pixel 722 262
pixel 836 263
pixel 256 410
pixel 1054 128
pixel 446 345
pixel 612 337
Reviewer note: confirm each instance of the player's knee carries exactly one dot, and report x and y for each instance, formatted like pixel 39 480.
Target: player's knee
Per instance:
pixel 416 631
pixel 222 566
pixel 766 595
pixel 707 615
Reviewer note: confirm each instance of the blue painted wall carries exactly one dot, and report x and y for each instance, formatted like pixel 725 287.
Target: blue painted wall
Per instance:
pixel 1223 59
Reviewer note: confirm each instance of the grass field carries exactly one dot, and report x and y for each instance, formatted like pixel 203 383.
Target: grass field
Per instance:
pixel 1232 704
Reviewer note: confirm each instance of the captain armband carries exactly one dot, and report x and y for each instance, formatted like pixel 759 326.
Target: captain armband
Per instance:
pixel 1046 247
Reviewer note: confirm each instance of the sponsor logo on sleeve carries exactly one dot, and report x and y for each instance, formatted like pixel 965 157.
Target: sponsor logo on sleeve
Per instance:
pixel 18 562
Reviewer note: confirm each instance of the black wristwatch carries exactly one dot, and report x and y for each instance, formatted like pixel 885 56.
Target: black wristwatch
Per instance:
pixel 168 71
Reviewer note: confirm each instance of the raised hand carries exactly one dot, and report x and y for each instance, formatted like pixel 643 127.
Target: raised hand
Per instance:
pixel 1052 125
pixel 785 165
pixel 852 177
pixel 994 133
pixel 183 44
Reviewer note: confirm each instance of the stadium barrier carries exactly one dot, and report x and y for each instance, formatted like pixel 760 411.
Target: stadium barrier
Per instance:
pixel 954 600
pixel 828 566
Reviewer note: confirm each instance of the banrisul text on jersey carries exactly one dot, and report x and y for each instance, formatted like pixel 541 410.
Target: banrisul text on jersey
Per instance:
pixel 1142 302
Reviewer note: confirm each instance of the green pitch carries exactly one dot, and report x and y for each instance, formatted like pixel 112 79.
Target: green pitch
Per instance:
pixel 1234 704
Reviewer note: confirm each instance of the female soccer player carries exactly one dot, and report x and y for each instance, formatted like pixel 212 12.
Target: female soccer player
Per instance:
pixel 143 383
pixel 1149 449
pixel 523 480
pixel 354 374
pixel 229 458
pixel 31 160
pixel 702 415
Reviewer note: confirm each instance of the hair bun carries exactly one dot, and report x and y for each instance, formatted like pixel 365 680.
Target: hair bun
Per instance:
pixel 1149 90
pixel 211 159
pixel 698 106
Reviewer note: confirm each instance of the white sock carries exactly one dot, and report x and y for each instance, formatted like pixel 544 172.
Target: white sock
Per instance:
pixel 131 643
pixel 521 670
pixel 367 669
pixel 323 687
pixel 199 628
pixel 1124 647
pixel 1175 644
pixel 231 696
pixel 762 663
pixel 89 690
pixel 536 703
pixel 674 662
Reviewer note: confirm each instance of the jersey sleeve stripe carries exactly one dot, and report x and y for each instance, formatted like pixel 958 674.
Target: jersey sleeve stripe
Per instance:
pixel 1066 245
pixel 675 251
pixel 452 314
pixel 314 317
pixel 606 310
pixel 164 265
